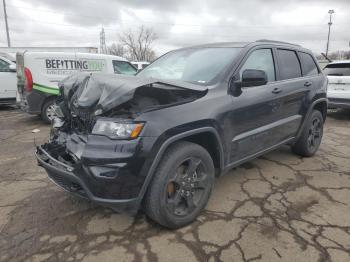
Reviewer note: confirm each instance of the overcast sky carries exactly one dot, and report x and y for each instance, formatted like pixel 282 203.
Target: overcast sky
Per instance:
pixel 177 23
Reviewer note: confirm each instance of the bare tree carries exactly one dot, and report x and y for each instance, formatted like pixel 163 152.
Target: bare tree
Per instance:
pixel 117 49
pixel 139 44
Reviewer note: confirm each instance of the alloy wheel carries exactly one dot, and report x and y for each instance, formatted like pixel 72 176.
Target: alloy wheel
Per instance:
pixel 186 190
pixel 315 134
pixel 50 112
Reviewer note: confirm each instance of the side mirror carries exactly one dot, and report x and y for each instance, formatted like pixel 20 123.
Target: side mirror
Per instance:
pixel 253 77
pixel 12 68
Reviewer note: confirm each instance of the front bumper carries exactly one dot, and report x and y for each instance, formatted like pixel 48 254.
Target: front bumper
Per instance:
pixel 105 181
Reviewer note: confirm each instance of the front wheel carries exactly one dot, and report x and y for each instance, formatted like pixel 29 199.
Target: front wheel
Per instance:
pixel 311 136
pixel 181 185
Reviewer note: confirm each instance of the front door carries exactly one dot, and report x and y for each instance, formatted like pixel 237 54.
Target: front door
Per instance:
pixel 256 109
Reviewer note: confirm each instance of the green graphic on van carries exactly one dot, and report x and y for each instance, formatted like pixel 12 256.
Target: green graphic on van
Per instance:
pixel 46 89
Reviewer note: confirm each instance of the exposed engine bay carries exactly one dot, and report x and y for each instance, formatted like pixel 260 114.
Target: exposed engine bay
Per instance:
pixel 84 97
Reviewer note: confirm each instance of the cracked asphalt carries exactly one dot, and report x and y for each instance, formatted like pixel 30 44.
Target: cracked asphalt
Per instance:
pixel 279 207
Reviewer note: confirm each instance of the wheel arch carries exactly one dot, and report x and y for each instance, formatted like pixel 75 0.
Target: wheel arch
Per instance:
pixel 195 136
pixel 321 105
pixel 47 98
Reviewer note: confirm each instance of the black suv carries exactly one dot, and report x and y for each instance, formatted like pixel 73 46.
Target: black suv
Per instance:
pixel 157 140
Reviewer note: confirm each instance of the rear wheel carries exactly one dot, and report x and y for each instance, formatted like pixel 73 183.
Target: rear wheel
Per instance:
pixel 181 186
pixel 48 110
pixel 310 139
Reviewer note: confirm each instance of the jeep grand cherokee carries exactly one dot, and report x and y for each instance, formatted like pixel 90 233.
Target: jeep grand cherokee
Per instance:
pixel 157 140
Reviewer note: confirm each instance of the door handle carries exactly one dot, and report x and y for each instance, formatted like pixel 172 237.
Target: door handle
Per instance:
pixel 307 84
pixel 276 90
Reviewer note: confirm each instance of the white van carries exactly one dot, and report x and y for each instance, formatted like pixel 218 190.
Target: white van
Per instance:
pixel 8 81
pixel 38 74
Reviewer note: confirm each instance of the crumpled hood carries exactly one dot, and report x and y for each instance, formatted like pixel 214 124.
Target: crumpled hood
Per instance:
pixel 106 91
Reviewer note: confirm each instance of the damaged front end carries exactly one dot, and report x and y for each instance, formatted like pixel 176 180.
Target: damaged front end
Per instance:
pixel 97 148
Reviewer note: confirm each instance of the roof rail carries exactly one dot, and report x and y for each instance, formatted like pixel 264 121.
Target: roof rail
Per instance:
pixel 276 42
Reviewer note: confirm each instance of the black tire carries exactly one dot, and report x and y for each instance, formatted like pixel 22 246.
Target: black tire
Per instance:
pixel 311 136
pixel 46 112
pixel 175 169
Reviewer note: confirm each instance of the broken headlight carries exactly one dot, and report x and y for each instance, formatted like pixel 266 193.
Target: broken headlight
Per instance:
pixel 117 130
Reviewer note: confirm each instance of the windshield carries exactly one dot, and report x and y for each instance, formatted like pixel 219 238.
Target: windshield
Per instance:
pixel 125 68
pixel 197 65
pixel 342 69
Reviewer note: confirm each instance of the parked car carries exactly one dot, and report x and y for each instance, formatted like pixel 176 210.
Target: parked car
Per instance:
pixel 338 74
pixel 140 65
pixel 8 81
pixel 39 73
pixel 158 139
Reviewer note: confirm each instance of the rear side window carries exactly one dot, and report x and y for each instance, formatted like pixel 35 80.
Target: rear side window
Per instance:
pixel 122 67
pixel 308 65
pixel 342 69
pixel 289 65
pixel 261 59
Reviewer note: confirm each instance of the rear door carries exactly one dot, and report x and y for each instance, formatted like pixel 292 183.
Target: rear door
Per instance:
pixel 7 80
pixel 294 89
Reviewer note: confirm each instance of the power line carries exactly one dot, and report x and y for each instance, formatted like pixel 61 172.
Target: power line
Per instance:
pixel 166 23
pixel 113 29
pixel 53 12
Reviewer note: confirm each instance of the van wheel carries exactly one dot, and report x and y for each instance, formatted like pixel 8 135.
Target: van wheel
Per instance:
pixel 310 139
pixel 48 111
pixel 181 185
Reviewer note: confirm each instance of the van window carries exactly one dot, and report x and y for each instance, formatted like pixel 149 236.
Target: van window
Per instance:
pixel 261 59
pixel 122 67
pixel 341 69
pixel 4 66
pixel 308 65
pixel 289 65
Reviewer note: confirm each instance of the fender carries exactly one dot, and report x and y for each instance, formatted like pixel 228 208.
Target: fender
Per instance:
pixel 308 114
pixel 171 140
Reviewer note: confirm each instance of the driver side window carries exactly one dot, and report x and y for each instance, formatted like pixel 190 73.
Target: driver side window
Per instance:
pixel 261 59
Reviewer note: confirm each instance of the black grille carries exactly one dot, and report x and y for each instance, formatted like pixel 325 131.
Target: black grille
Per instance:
pixel 60 180
pixel 67 184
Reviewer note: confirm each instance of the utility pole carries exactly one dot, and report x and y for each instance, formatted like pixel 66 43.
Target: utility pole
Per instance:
pixel 330 12
pixel 103 48
pixel 6 25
